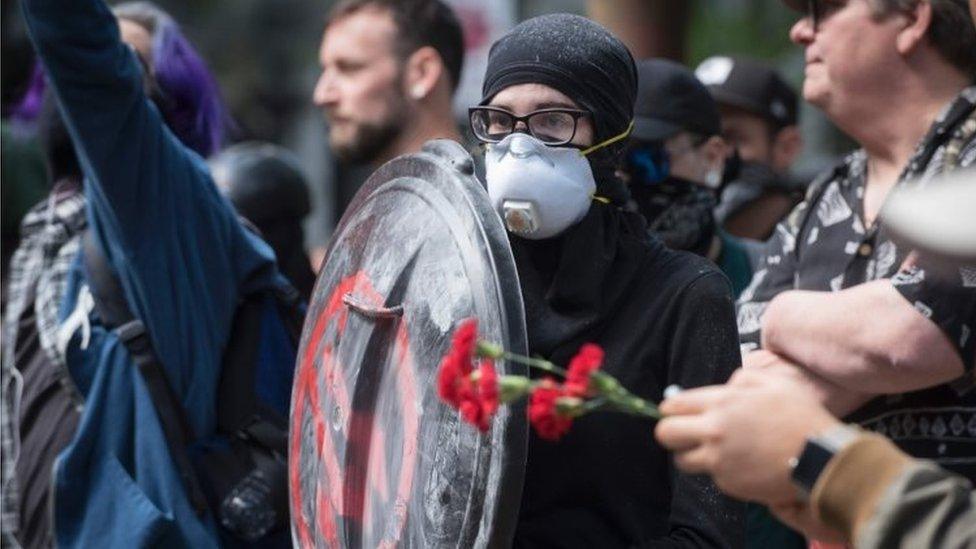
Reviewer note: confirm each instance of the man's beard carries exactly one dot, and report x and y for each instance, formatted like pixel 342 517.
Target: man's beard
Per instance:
pixel 373 139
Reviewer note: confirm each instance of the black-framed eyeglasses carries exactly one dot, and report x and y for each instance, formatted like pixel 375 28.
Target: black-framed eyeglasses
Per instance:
pixel 554 127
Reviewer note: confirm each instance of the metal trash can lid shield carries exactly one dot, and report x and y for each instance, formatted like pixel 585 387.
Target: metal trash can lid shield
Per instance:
pixel 375 459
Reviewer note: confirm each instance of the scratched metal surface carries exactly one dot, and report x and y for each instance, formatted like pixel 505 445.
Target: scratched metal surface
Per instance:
pixel 375 460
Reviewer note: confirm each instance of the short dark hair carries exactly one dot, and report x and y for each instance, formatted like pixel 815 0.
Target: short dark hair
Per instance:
pixel 419 23
pixel 951 31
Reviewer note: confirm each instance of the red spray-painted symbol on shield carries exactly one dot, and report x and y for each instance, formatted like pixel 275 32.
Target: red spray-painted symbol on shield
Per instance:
pixel 349 485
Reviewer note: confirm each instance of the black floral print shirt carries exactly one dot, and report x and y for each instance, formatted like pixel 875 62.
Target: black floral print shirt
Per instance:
pixel 824 245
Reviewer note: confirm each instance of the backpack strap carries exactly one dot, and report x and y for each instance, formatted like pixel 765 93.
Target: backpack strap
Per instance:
pixel 292 309
pixel 238 409
pixel 236 401
pixel 112 307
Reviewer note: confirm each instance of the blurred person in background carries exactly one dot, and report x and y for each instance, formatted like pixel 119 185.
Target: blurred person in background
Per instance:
pixel 23 181
pixel 759 120
pixel 389 71
pixel 46 407
pixel 675 166
pixel 266 185
pixel 49 403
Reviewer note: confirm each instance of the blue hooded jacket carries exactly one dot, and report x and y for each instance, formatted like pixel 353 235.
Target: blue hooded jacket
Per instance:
pixel 184 262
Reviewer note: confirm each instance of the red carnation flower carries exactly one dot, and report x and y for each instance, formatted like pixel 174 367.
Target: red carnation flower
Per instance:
pixel 448 379
pixel 470 404
pixel 581 367
pixel 479 400
pixel 488 388
pixel 462 347
pixel 548 423
pixel 456 364
pixel 473 413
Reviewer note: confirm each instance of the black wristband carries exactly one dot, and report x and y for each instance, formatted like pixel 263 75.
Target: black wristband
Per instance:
pixel 817 453
pixel 811 463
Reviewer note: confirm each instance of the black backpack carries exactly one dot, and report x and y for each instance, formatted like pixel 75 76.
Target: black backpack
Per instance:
pixel 240 476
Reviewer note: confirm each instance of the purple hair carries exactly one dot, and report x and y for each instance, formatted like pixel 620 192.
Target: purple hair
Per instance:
pixel 190 103
pixel 30 104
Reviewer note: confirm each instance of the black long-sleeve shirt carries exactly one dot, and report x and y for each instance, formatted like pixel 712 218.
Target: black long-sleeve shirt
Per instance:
pixel 608 483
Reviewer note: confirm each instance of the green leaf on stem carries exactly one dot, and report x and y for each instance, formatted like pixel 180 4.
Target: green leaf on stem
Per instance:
pixel 512 388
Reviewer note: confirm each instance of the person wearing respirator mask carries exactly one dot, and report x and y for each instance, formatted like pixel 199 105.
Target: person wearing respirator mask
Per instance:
pixel 759 113
pixel 676 166
pixel 557 106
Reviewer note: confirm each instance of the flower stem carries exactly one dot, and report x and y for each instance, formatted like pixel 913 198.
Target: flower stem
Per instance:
pixel 611 394
pixel 641 407
pixel 537 363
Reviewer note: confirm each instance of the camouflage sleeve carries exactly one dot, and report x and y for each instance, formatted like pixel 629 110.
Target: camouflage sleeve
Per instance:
pixel 967 155
pixel 926 507
pixel 874 493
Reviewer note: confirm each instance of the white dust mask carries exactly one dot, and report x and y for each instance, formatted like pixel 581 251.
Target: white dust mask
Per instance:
pixel 539 191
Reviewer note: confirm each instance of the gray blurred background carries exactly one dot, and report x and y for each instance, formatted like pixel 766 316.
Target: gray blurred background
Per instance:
pixel 264 53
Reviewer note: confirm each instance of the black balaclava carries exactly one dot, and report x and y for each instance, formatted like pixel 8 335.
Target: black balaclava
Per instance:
pixel 678 211
pixel 573 283
pixel 266 185
pixel 585 62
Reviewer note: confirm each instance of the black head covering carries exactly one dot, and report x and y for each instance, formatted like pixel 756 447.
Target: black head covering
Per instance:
pixel 573 283
pixel 264 182
pixel 585 62
pixel 671 99
pixel 266 185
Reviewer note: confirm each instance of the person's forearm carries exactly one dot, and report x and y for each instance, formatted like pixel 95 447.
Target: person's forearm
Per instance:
pixel 58 27
pixel 88 67
pixel 120 142
pixel 877 496
pixel 839 400
pixel 925 506
pixel 866 337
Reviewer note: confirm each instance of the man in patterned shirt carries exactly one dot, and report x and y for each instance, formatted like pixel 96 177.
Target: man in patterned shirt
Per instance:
pixel 866 322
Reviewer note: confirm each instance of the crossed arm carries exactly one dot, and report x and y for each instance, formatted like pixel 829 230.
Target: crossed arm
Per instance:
pixel 867 337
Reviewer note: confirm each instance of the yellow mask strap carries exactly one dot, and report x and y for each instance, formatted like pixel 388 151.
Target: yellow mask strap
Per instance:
pixel 602 199
pixel 610 141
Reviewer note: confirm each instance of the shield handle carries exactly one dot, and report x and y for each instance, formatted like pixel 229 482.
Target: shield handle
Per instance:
pixel 370 311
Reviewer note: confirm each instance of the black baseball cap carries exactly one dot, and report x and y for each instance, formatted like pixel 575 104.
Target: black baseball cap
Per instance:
pixel 670 99
pixel 750 85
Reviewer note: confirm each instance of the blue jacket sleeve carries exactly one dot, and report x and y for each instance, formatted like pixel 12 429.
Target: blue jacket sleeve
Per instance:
pixel 180 253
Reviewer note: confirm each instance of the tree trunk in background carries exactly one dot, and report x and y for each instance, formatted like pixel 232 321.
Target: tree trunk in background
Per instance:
pixel 650 28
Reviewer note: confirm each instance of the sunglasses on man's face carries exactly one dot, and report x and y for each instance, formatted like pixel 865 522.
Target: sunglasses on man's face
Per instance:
pixel 820 10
